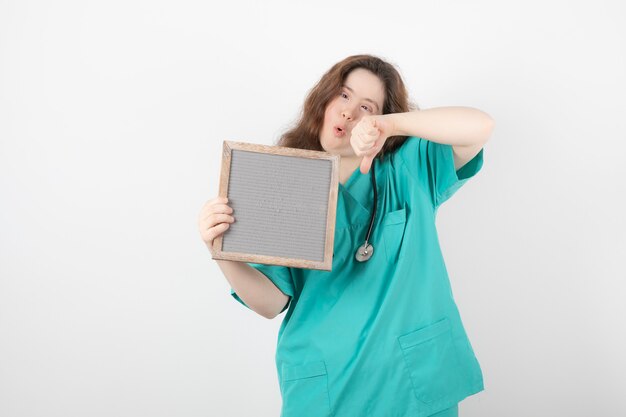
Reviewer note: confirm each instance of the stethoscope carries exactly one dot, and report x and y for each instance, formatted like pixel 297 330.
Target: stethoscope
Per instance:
pixel 365 251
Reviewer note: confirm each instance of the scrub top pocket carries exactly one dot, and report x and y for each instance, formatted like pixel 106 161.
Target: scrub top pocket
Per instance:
pixel 305 390
pixel 431 362
pixel 393 226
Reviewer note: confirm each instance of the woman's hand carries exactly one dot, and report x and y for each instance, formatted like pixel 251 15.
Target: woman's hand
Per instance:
pixel 214 219
pixel 368 137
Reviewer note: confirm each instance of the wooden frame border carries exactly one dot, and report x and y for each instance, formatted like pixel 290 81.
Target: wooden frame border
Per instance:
pixel 327 263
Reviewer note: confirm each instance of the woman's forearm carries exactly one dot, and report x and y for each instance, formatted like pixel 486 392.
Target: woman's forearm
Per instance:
pixel 255 289
pixel 459 126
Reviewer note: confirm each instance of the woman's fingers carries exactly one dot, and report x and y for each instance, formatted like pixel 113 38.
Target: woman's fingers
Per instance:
pixel 214 219
pixel 211 234
pixel 217 209
pixel 217 218
pixel 364 135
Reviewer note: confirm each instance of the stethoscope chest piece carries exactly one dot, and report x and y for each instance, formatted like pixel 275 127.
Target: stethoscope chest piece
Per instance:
pixel 364 252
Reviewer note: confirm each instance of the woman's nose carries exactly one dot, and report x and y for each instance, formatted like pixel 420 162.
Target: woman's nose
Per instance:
pixel 346 114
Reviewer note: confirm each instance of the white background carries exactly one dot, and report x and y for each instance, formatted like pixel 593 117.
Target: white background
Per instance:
pixel 112 117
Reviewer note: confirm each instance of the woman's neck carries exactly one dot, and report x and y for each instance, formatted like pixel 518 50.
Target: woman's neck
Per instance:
pixel 347 165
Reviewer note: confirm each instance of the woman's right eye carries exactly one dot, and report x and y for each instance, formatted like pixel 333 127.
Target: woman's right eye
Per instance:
pixel 344 95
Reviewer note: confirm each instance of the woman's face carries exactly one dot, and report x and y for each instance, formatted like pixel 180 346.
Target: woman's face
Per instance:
pixel 362 94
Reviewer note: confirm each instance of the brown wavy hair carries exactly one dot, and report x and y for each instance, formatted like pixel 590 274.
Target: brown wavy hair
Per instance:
pixel 306 132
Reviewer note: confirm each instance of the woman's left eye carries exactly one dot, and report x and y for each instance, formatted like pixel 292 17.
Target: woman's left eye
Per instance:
pixel 366 108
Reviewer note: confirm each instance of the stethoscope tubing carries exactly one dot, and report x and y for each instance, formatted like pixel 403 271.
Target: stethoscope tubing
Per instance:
pixel 373 216
pixel 365 251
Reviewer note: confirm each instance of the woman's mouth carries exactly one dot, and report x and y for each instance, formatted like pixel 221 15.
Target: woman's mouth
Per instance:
pixel 339 132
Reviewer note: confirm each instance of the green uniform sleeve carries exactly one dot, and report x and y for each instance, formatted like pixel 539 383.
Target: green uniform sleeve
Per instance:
pixel 279 275
pixel 432 164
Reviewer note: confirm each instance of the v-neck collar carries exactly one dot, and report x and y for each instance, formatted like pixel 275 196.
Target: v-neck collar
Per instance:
pixel 359 194
pixel 355 174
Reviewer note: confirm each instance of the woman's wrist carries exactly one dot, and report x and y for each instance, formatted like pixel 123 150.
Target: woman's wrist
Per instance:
pixel 396 123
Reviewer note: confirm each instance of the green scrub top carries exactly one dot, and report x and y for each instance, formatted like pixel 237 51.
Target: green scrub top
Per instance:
pixel 382 337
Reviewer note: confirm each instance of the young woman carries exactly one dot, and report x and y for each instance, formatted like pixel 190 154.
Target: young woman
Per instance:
pixel 380 334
